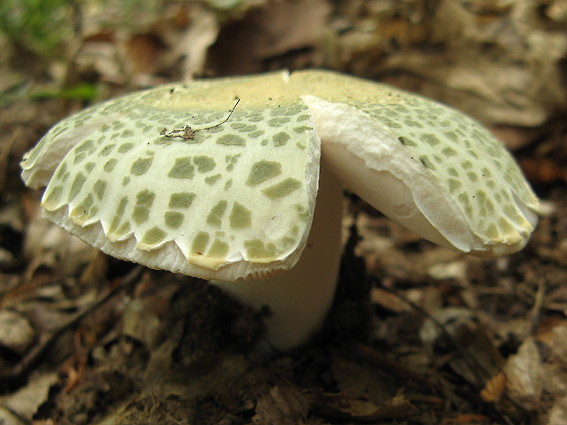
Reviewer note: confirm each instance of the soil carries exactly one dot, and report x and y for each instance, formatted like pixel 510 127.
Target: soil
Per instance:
pixel 417 334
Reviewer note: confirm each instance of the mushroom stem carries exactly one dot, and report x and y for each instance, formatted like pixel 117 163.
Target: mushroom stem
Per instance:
pixel 300 298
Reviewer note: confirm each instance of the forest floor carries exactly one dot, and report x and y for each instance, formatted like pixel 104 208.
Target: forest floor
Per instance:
pixel 417 334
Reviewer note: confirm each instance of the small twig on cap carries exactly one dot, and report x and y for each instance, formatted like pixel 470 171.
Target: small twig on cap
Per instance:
pixel 187 133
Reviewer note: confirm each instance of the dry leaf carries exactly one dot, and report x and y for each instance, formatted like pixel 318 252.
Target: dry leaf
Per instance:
pixel 494 388
pixel 524 375
pixel 28 399
pixel 268 31
pixel 144 53
pixel 559 345
pixel 475 357
pixel 558 413
pixel 470 419
pixel 502 67
pixel 396 408
pixel 283 405
pixel 16 332
pixel 192 45
pixel 9 418
pixel 337 407
pixel 541 170
pixel 48 245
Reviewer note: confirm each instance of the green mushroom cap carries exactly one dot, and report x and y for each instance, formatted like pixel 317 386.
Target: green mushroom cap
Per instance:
pixel 171 178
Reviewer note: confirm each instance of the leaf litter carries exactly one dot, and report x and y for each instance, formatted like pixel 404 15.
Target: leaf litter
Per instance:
pixel 417 334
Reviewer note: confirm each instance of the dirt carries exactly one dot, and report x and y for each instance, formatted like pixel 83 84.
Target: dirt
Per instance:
pixel 417 334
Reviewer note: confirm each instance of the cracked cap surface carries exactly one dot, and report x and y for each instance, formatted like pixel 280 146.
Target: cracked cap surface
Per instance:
pixel 236 200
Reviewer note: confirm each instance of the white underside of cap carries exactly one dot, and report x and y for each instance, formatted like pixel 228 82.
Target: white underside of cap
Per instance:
pixel 370 160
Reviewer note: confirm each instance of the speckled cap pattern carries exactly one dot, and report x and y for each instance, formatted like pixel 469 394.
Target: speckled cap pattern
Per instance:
pixel 235 197
pixel 239 194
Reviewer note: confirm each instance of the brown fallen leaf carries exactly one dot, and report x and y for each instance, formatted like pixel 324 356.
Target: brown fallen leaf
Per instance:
pixel 27 400
pixel 338 407
pixel 475 358
pixel 282 405
pixel 470 419
pixel 389 366
pixel 558 413
pixel 542 170
pixel 494 388
pixel 144 53
pixel 524 376
pixel 265 32
pixel 396 408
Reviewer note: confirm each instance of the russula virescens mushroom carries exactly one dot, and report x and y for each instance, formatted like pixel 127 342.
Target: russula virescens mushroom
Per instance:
pixel 171 179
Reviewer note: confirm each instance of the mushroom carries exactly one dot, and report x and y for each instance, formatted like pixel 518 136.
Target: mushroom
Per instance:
pixel 182 178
